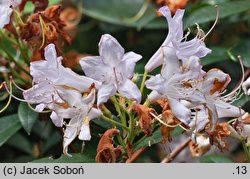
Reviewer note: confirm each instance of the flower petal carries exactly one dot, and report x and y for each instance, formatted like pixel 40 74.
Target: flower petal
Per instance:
pixel 42 92
pixel 194 47
pixel 246 86
pixel 110 50
pixel 154 95
pixel 171 63
pixel 70 133
pixel 94 113
pixel 57 120
pixel 180 111
pixel 215 80
pixel 155 83
pixel 127 65
pixel 129 90
pixel 5 13
pixel 227 110
pixel 105 92
pixel 94 68
pixel 85 132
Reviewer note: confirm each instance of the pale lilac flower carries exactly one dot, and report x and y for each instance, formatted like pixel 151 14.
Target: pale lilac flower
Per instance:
pixel 177 82
pixel 6 9
pixel 79 109
pixel 246 86
pixel 114 68
pixel 212 86
pixel 175 40
pixel 48 77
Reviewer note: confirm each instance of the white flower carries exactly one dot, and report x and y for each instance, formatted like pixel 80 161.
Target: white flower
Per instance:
pixel 6 8
pixel 114 68
pixel 246 86
pixel 79 109
pixel 176 83
pixel 182 48
pixel 212 86
pixel 48 75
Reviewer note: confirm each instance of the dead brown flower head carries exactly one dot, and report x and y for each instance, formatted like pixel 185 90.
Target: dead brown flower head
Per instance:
pixel 106 152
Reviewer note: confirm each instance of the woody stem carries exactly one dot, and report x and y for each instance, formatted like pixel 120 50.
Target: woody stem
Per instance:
pixel 135 155
pixel 176 152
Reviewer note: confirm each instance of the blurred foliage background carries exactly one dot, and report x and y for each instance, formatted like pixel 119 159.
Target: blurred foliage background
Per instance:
pixel 138 27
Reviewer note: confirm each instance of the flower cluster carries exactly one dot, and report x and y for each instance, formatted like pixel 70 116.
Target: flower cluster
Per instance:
pixel 189 96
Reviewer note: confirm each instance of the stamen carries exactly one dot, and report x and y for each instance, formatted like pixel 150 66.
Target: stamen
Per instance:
pixel 14 83
pixel 43 27
pixel 10 92
pixel 33 109
pixel 241 81
pixel 200 32
pixel 186 35
pixel 162 122
pixel 9 100
pixel 215 22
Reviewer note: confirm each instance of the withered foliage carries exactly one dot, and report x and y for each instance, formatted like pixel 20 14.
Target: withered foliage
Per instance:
pixel 106 151
pixel 145 119
pixel 43 28
pixel 171 121
pixel 217 136
pixel 168 118
pixel 200 148
pixel 173 5
pixel 40 5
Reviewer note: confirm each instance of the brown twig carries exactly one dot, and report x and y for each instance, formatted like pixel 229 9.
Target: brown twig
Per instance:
pixel 135 155
pixel 176 152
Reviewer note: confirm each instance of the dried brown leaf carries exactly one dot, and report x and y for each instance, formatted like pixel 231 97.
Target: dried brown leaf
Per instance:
pixel 106 152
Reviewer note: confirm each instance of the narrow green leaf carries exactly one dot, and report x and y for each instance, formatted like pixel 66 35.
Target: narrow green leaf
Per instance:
pixel 76 158
pixel 9 126
pixel 215 158
pixel 27 117
pixel 208 13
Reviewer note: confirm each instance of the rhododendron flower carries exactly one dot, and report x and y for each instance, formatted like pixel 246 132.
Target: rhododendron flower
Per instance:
pixel 79 109
pixel 48 75
pixel 246 86
pixel 6 9
pixel 176 83
pixel 177 42
pixel 214 83
pixel 114 68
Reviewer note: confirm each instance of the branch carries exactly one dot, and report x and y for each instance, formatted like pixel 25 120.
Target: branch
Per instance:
pixel 135 155
pixel 176 152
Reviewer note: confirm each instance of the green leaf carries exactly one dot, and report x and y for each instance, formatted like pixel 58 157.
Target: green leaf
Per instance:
pixel 9 126
pixel 29 7
pixel 76 158
pixel 119 12
pixel 208 13
pixel 218 54
pixel 215 158
pixel 243 100
pixel 242 49
pixel 154 139
pixel 27 117
pixel 23 144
